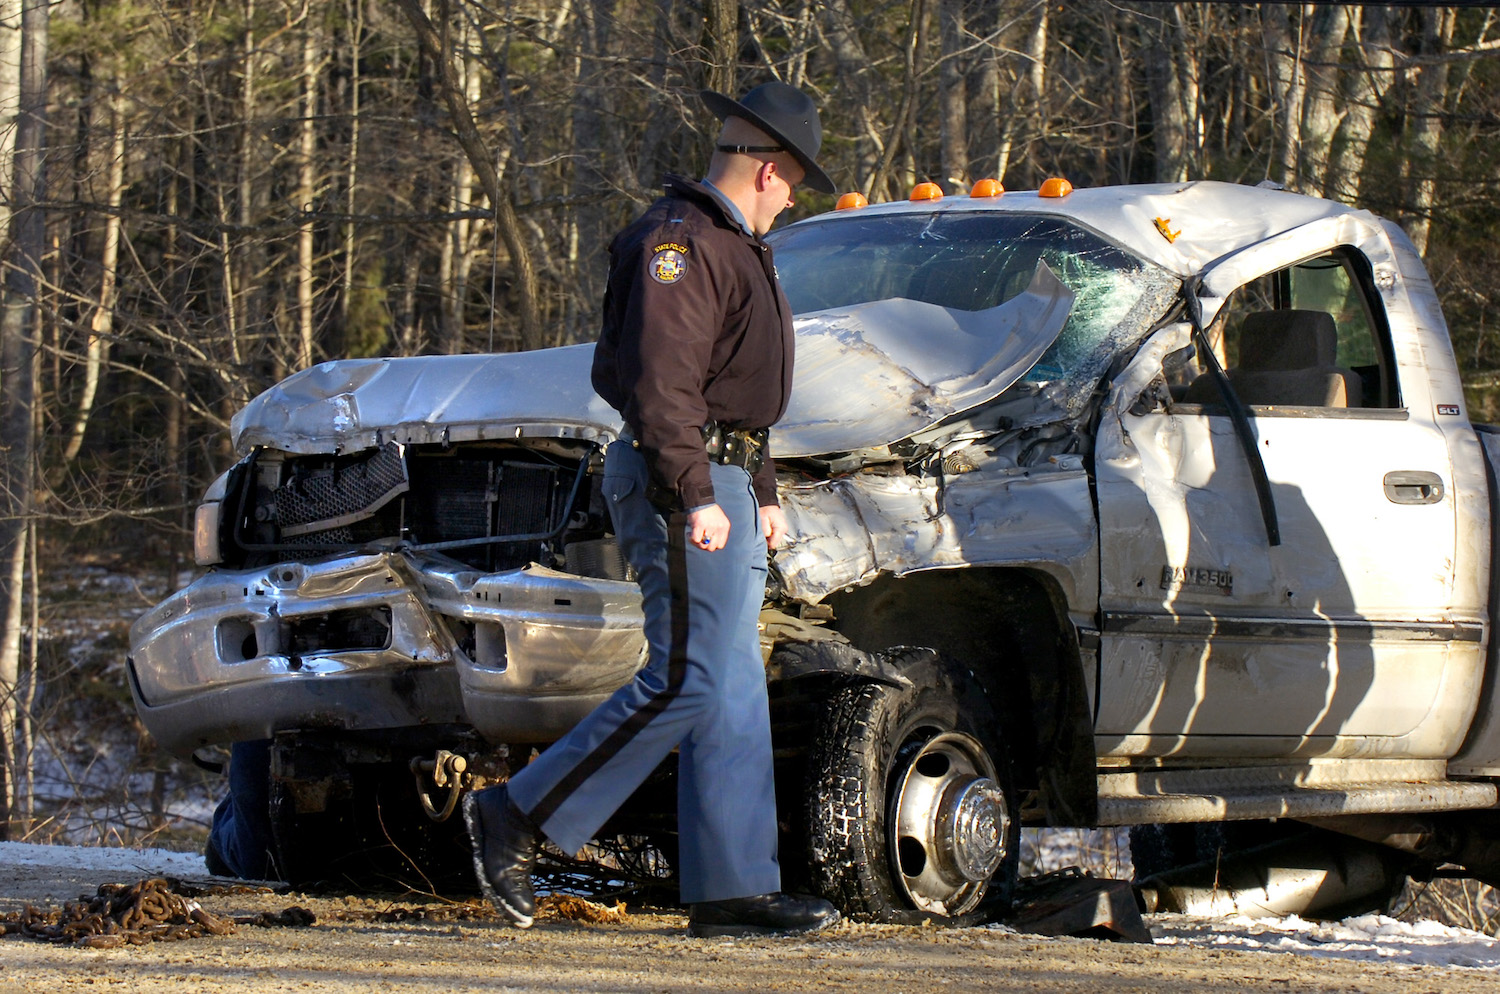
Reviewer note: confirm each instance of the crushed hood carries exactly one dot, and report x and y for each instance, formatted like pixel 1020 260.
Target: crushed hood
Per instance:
pixel 866 376
pixel 875 373
pixel 356 404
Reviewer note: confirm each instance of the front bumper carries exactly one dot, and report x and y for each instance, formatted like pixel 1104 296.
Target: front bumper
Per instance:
pixel 381 640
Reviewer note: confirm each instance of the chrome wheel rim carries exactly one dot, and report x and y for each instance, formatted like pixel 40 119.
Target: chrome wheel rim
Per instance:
pixel 949 823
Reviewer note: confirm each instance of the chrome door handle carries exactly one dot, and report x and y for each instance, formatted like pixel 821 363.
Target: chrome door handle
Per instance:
pixel 1413 486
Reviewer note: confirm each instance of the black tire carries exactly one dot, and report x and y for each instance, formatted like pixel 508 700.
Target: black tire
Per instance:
pixel 911 807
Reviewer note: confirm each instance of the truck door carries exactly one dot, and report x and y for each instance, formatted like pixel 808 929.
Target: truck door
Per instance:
pixel 1342 640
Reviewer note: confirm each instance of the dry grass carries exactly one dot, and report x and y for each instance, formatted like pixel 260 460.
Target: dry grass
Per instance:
pixel 1459 902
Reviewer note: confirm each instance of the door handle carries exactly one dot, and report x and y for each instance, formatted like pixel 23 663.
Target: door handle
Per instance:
pixel 1413 486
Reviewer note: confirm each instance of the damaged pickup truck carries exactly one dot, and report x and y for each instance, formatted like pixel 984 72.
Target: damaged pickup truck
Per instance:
pixel 1137 505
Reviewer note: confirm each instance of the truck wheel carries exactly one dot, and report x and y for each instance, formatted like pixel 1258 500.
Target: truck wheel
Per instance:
pixel 910 805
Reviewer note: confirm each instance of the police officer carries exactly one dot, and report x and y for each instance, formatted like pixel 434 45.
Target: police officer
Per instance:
pixel 696 354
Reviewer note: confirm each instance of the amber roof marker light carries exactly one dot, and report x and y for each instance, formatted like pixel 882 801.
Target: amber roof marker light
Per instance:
pixel 927 191
pixel 1055 187
pixel 987 188
pixel 852 201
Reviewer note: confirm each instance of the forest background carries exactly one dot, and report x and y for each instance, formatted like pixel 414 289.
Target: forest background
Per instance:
pixel 198 197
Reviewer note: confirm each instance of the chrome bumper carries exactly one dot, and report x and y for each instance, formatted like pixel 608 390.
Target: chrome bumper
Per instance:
pixel 384 640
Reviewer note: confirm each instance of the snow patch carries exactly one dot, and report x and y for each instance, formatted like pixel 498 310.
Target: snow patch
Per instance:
pixel 1370 937
pixel 103 859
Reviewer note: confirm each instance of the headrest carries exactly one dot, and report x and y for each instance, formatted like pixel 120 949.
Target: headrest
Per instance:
pixel 1288 339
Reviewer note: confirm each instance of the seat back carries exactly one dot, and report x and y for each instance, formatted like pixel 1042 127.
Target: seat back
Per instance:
pixel 1287 358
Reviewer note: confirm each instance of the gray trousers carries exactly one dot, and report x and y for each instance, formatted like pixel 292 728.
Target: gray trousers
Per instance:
pixel 703 692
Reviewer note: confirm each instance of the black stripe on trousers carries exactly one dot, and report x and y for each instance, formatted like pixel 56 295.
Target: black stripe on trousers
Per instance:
pixel 632 726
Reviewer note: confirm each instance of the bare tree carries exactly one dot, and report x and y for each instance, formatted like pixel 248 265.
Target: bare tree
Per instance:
pixel 1428 91
pixel 22 284
pixel 101 323
pixel 439 48
pixel 953 94
pixel 1283 39
pixel 307 184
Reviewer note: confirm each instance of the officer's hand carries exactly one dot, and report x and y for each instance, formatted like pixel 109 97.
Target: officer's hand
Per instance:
pixel 773 525
pixel 708 527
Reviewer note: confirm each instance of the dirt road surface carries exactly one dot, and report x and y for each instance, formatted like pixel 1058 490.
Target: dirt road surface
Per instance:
pixel 349 949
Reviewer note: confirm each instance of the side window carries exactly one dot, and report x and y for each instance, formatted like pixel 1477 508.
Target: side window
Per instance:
pixel 1310 335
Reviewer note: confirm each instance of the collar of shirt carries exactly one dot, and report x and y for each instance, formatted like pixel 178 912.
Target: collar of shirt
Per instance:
pixel 729 206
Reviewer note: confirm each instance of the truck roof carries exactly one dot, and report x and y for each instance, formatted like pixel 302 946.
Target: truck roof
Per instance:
pixel 1209 219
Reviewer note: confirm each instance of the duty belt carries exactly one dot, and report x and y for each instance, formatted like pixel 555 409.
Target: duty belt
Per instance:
pixel 743 447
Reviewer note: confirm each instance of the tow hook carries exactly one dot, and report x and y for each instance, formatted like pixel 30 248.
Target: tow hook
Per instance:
pixel 447 770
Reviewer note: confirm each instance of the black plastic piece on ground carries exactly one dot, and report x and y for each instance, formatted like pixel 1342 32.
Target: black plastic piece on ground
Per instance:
pixel 1068 903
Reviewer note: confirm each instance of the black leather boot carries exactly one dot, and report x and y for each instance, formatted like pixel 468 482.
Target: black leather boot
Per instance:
pixel 763 914
pixel 505 845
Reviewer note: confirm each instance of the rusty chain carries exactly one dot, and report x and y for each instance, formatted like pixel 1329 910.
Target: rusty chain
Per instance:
pixel 161 909
pixel 151 910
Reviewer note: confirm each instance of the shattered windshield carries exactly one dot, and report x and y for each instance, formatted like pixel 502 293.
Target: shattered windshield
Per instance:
pixel 974 261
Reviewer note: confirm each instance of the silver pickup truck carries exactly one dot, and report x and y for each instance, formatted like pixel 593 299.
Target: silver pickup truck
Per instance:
pixel 1122 506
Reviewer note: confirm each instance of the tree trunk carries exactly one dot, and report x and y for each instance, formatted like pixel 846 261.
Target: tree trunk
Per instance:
pixel 354 15
pixel 722 24
pixel 490 177
pixel 1321 114
pixel 801 48
pixel 910 51
pixel 1169 119
pixel 24 815
pixel 593 29
pixel 101 325
pixel 1189 68
pixel 28 238
pixel 1425 121
pixel 10 96
pixel 1364 89
pixel 455 261
pixel 662 118
pixel 953 97
pixel 1283 45
pixel 840 29
pixel 1026 101
pixel 983 113
pixel 307 186
pixel 231 264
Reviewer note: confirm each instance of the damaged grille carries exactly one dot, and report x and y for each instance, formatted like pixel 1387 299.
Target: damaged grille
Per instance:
pixel 493 507
pixel 332 498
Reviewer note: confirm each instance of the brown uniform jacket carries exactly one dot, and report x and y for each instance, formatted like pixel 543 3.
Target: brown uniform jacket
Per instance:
pixel 696 328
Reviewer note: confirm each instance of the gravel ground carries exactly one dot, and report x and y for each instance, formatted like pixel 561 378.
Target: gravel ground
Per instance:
pixel 349 949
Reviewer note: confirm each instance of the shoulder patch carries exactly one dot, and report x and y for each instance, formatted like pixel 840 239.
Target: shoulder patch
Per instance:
pixel 668 262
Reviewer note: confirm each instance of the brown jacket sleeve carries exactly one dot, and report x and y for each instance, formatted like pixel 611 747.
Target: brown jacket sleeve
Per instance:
pixel 764 483
pixel 669 295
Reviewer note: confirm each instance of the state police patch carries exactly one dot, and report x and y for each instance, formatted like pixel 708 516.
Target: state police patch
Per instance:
pixel 668 264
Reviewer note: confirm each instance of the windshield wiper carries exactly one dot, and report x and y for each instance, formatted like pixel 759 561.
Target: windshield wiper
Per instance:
pixel 1238 415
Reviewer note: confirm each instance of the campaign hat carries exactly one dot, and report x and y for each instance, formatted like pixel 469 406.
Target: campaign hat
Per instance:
pixel 787 115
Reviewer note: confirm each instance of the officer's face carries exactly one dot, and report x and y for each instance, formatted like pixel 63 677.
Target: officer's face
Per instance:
pixel 778 190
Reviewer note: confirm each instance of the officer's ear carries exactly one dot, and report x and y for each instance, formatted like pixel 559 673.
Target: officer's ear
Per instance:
pixel 763 174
